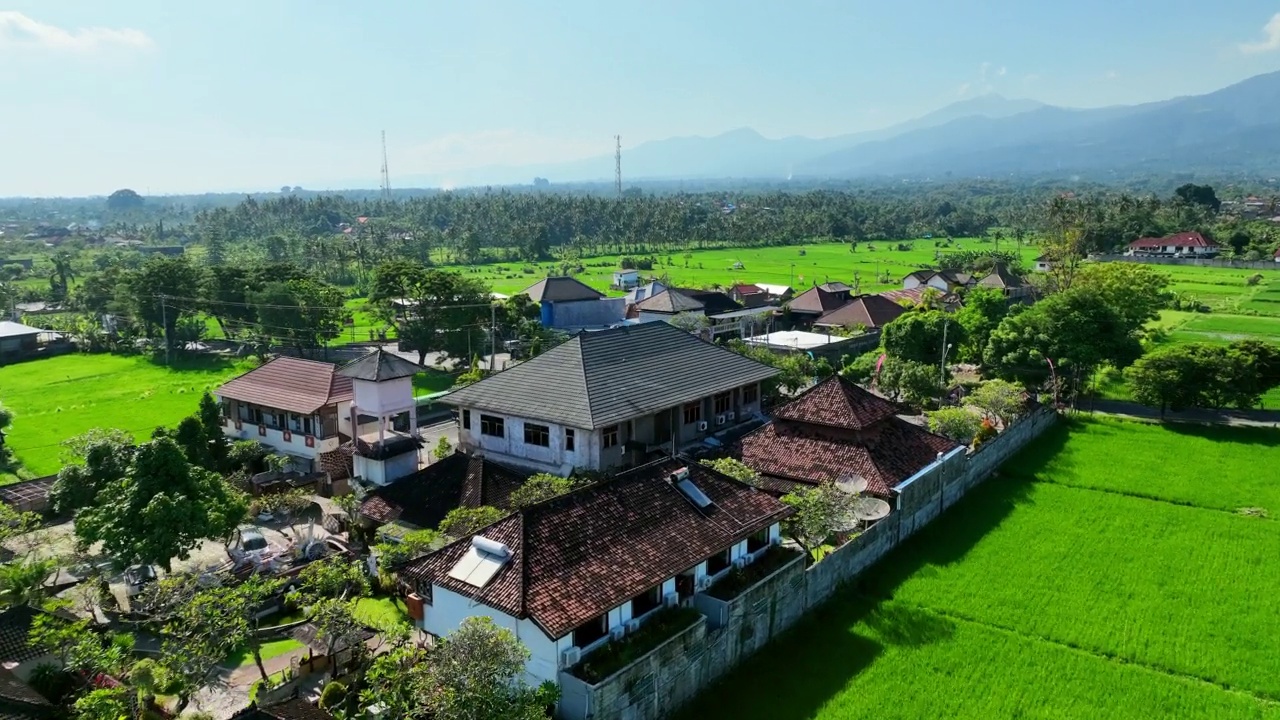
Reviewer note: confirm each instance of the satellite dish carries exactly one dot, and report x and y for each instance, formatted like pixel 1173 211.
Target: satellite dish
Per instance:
pixel 851 483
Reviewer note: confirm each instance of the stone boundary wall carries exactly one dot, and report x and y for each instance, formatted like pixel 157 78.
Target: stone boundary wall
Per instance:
pixel 1267 264
pixel 673 673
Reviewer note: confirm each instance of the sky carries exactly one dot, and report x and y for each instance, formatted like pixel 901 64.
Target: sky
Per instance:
pixel 193 96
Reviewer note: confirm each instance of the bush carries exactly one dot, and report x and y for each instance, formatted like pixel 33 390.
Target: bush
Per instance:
pixel 986 432
pixel 736 581
pixel 1253 279
pixel 955 423
pixel 333 695
pixel 443 449
pixel 617 654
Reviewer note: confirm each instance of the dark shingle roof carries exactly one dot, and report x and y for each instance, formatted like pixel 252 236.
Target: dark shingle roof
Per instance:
pixel 602 378
pixel 425 497
pixel 561 289
pixel 579 555
pixel 835 287
pixel 380 366
pixel 869 311
pixel 816 301
pixel 714 302
pixel 1001 278
pixel 289 383
pixel 670 300
pixel 837 402
pixel 19 701
pixel 15 626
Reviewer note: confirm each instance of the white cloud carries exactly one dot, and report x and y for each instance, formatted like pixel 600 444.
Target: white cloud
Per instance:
pixel 964 89
pixel 19 31
pixel 1110 75
pixel 1271 38
pixel 464 151
pixel 1001 72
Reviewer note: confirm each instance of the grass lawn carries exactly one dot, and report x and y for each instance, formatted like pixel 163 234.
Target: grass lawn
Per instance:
pixel 58 398
pixel 433 381
pixel 270 649
pixel 382 612
pixel 1053 591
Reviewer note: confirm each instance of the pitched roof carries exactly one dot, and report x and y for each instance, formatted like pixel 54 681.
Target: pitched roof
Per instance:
pixel 817 301
pixel 1001 278
pixel 916 294
pixel 885 454
pixel 640 292
pixel 921 275
pixel 603 378
pixel 747 289
pixel 837 402
pixel 869 311
pixel 561 289
pixel 425 497
pixel 670 300
pixel 291 384
pixel 10 329
pixel 19 700
pixel 579 555
pixel 1184 239
pixel 380 366
pixel 292 709
pixel 714 302
pixel 835 287
pixel 15 626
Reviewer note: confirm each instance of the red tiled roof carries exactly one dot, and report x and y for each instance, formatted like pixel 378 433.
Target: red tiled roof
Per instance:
pixel 817 301
pixel 582 554
pixel 837 402
pixel 425 497
pixel 747 289
pixel 1186 239
pixel 886 454
pixel 869 311
pixel 289 383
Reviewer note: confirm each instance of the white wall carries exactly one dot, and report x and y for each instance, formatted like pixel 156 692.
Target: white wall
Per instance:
pixel 448 609
pixel 392 396
pixel 909 283
pixel 296 445
pixel 512 448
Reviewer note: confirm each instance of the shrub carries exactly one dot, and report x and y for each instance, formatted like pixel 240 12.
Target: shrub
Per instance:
pixel 443 449
pixel 333 695
pixel 985 432
pixel 956 423
pixel 1253 279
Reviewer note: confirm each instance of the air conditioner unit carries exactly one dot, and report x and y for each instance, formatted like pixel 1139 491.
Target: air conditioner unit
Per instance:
pixel 719 420
pixel 703 583
pixel 702 426
pixel 748 559
pixel 617 631
pixel 730 416
pixel 671 599
pixel 632 626
pixel 570 657
pixel 741 561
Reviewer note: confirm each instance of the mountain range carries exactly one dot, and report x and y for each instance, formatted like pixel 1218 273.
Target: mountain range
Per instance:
pixel 1232 130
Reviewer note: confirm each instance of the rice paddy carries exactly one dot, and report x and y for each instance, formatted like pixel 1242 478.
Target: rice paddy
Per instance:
pixel 1106 572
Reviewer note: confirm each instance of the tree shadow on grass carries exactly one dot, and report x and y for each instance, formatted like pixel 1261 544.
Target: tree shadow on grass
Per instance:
pixel 1269 437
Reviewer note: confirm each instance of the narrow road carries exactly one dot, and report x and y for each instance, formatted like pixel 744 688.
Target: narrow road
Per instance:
pixel 1239 418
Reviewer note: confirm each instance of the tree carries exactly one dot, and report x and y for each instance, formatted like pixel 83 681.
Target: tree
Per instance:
pixel 400 681
pixel 63 274
pixel 734 468
pixel 157 509
pixel 1200 375
pixel 124 200
pixel 22 582
pixel 913 383
pixel 442 306
pixel 302 313
pixel 160 293
pixel 540 487
pixel 443 448
pixel 332 577
pixel 819 512
pixel 954 422
pixel 1167 378
pixel 394 554
pixel 476 674
pixel 918 336
pixel 1202 195
pixel 1136 292
pixel 983 310
pixel 690 322
pixel 464 521
pixel 999 400
pixel 102 704
pixel 337 627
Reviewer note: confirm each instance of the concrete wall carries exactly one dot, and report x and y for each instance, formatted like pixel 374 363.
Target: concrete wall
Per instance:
pixel 671 675
pixel 513 450
pixel 584 313
pixel 384 398
pixel 1264 264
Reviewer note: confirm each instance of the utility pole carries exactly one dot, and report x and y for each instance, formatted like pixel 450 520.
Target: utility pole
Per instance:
pixel 617 164
pixel 942 366
pixel 493 333
pixel 164 324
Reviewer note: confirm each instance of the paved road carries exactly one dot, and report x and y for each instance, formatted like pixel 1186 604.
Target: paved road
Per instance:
pixel 1240 418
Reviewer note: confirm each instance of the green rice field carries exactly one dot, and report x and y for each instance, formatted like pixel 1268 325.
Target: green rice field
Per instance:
pixel 1097 576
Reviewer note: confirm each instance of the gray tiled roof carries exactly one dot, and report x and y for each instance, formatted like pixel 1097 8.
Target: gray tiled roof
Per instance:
pixel 380 366
pixel 561 289
pixel 603 378
pixel 669 301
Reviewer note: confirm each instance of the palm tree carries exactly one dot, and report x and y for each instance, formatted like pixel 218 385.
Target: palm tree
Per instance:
pixel 63 273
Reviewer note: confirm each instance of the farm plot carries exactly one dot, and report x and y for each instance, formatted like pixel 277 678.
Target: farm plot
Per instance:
pixel 1053 591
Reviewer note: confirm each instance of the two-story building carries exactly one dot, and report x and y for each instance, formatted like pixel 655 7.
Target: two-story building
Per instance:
pixel 607 399
pixel 570 574
pixel 300 408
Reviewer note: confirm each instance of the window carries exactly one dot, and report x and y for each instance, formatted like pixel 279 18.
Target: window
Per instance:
pixel 466 419
pixel 750 394
pixel 723 402
pixel 591 630
pixel 692 413
pixel 568 439
pixel 648 600
pixel 718 563
pixel 609 436
pixel 492 426
pixel 758 541
pixel 539 435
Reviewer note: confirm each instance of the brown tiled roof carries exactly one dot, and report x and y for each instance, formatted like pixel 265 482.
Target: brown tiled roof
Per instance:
pixel 817 301
pixel 869 311
pixel 1001 278
pixel 886 454
pixel 1184 239
pixel 582 554
pixel 291 384
pixel 916 294
pixel 425 497
pixel 747 289
pixel 837 402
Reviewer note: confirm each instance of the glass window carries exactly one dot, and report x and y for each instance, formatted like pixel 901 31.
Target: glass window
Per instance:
pixel 568 439
pixel 692 413
pixel 750 394
pixel 758 541
pixel 648 600
pixel 609 436
pixel 493 426
pixel 718 563
pixel 539 435
pixel 723 403
pixel 591 631
pixel 466 419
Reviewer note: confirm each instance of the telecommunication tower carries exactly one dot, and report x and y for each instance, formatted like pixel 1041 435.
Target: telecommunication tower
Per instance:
pixel 386 177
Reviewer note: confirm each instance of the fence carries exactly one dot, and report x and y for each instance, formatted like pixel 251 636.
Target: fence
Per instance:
pixel 731 631
pixel 1269 264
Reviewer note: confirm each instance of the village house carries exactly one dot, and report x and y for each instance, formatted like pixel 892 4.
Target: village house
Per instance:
pixel 570 305
pixel 19 342
pixel 642 292
pixel 837 431
pixel 1009 285
pixel 625 279
pixel 749 295
pixel 421 500
pixel 868 312
pixel 573 573
pixel 944 281
pixel 1181 245
pixel 606 399
pixel 815 302
pixel 20 701
pixel 1044 263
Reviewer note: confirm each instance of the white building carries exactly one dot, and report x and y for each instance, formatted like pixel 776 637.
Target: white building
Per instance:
pixel 606 399
pixel 1181 245
pixel 385 444
pixel 625 279
pixel 571 574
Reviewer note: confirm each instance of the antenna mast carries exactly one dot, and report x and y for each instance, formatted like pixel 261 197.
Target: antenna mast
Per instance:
pixel 386 177
pixel 617 164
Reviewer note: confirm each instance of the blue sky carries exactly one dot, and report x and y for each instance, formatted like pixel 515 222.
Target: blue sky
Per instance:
pixel 189 96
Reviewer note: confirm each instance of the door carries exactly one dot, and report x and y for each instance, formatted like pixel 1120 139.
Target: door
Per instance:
pixel 662 427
